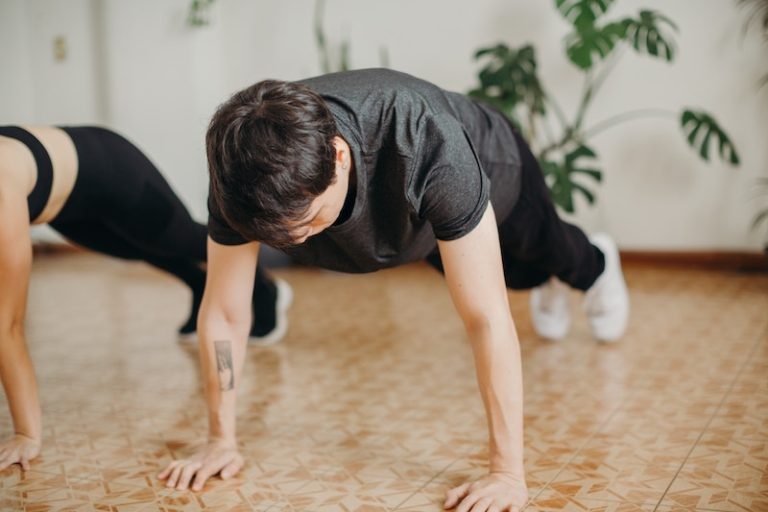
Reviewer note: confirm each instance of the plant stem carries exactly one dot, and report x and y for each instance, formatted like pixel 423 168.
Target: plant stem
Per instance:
pixel 547 130
pixel 325 64
pixel 591 86
pixel 556 108
pixel 627 116
pixel 607 68
pixel 586 98
pixel 384 56
pixel 567 137
pixel 532 124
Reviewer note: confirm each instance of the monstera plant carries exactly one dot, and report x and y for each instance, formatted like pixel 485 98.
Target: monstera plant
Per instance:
pixel 199 13
pixel 758 11
pixel 509 80
pixel 342 63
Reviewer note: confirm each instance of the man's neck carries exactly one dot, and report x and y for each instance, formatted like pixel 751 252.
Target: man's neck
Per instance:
pixel 349 200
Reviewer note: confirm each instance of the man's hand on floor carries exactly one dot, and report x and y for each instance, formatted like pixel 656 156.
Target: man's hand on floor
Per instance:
pixel 497 492
pixel 216 458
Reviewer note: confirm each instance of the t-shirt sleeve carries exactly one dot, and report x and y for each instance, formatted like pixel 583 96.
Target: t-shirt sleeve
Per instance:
pixel 450 188
pixel 218 229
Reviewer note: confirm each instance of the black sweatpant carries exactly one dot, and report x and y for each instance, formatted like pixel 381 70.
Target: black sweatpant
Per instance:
pixel 536 243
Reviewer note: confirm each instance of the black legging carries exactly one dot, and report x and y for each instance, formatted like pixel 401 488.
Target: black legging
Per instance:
pixel 122 206
pixel 536 243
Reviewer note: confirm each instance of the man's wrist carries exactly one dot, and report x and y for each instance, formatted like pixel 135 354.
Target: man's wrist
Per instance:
pixel 31 437
pixel 223 441
pixel 30 428
pixel 222 422
pixel 507 465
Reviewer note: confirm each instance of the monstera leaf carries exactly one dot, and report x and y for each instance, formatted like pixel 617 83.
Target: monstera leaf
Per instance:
pixel 646 36
pixel 760 218
pixel 700 128
pixel 583 46
pixel 560 177
pixel 510 78
pixel 582 13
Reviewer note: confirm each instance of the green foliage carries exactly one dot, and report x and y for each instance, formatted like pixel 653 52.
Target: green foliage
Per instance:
pixel 560 177
pixel 343 62
pixel 322 42
pixel 700 128
pixel 646 34
pixel 198 13
pixel 592 41
pixel 344 56
pixel 760 218
pixel 582 13
pixel 509 79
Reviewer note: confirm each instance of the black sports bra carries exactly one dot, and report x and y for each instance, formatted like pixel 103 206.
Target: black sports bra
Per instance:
pixel 38 198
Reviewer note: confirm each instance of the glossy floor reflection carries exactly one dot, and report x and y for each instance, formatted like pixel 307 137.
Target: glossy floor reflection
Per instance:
pixel 371 402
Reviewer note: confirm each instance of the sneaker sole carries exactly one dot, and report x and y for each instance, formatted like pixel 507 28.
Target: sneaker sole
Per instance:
pixel 284 302
pixel 546 325
pixel 188 338
pixel 610 332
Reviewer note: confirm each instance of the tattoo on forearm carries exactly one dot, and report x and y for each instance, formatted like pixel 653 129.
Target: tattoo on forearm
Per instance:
pixel 224 365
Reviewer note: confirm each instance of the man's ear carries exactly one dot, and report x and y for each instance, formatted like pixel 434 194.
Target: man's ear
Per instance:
pixel 341 149
pixel 338 144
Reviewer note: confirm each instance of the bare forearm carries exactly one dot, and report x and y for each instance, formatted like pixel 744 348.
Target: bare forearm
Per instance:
pixel 18 378
pixel 497 360
pixel 222 352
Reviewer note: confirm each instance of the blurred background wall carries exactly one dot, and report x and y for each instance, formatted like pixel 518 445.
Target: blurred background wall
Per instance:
pixel 138 67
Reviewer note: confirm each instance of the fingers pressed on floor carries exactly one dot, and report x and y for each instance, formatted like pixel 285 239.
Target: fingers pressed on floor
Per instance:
pixel 186 475
pixel 456 494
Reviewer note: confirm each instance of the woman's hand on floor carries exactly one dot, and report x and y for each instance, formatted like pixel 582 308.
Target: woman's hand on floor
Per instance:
pixel 18 449
pixel 497 492
pixel 216 458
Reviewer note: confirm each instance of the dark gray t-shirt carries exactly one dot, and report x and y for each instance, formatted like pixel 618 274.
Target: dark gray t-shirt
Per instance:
pixel 427 161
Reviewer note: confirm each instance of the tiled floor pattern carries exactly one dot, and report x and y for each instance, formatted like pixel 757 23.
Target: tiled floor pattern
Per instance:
pixel 371 402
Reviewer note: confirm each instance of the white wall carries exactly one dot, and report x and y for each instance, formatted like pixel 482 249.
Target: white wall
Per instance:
pixel 157 71
pixel 35 87
pixel 16 86
pixel 158 81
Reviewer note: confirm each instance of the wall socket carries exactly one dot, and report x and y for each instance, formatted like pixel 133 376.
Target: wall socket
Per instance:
pixel 60 49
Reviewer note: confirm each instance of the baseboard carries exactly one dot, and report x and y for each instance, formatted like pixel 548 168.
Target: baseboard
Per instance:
pixel 722 260
pixel 55 248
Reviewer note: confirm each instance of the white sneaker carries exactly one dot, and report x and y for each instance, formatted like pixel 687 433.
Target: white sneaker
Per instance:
pixel 273 328
pixel 550 310
pixel 607 301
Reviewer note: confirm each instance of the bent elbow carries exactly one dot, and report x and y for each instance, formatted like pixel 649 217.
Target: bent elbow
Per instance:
pixel 478 325
pixel 11 328
pixel 485 328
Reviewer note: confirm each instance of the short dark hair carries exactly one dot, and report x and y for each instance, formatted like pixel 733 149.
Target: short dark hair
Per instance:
pixel 270 153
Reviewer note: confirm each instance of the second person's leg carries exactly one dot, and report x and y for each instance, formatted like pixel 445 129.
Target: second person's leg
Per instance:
pixel 122 187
